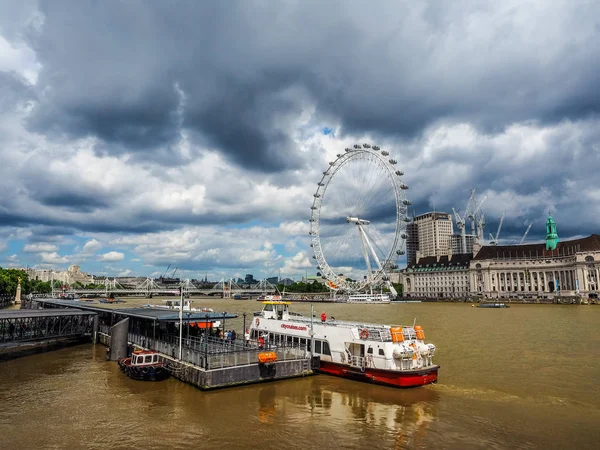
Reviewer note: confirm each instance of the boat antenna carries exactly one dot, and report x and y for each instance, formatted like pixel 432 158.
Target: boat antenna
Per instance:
pixel 414 322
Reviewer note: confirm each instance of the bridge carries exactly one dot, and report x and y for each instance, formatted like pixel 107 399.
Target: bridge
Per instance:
pixel 149 288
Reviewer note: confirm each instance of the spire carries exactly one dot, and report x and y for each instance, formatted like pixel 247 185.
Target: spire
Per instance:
pixel 551 235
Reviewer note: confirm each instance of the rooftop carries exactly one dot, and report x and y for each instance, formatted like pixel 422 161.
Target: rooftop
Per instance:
pixel 170 315
pixel 538 251
pixel 431 263
pixel 23 313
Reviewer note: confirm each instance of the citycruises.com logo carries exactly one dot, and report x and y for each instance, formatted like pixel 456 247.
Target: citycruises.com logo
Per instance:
pixel 292 327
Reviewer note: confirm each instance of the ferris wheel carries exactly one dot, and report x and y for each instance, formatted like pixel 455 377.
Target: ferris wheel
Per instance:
pixel 358 219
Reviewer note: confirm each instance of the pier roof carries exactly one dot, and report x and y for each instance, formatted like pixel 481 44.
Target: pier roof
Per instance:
pixel 169 315
pixel 22 313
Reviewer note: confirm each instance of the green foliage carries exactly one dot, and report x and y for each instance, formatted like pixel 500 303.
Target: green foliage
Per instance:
pixel 9 280
pixel 313 287
pixel 399 288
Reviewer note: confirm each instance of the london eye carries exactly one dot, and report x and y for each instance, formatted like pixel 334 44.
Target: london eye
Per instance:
pixel 358 219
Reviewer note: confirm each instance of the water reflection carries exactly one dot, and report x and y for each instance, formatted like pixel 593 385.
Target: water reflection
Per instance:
pixel 402 414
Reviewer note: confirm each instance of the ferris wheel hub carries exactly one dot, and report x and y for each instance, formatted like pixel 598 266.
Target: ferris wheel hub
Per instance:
pixel 357 221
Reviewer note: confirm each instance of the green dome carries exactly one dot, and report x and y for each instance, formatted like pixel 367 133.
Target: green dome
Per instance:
pixel 551 234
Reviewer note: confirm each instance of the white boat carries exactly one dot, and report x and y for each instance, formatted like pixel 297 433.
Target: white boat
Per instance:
pixel 396 356
pixel 269 298
pixel 187 307
pixel 369 298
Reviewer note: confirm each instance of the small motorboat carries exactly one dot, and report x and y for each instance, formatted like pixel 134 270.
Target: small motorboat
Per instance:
pixel 493 305
pixel 144 365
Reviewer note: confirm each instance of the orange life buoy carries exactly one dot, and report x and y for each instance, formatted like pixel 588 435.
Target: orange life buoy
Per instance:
pixel 364 333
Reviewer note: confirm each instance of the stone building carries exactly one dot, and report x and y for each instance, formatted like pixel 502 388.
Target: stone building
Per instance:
pixel 537 270
pixel 437 276
pixel 532 270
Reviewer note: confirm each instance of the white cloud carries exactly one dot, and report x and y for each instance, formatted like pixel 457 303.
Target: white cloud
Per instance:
pixel 112 256
pixel 53 258
pixel 298 263
pixel 38 248
pixel 91 247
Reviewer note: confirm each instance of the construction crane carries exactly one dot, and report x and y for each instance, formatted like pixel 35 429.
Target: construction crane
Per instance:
pixel 165 274
pixel 526 233
pixel 474 211
pixel 175 271
pixel 494 240
pixel 461 221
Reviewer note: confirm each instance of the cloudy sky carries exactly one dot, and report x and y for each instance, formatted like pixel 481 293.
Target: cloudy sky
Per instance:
pixel 139 134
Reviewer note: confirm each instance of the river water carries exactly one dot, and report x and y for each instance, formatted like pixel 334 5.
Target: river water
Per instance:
pixel 524 377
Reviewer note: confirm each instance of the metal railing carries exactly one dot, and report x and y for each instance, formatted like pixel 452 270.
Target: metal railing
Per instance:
pixel 210 352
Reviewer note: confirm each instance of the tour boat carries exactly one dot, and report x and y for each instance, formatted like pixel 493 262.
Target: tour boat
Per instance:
pixel 369 298
pixel 144 365
pixel 394 356
pixel 493 305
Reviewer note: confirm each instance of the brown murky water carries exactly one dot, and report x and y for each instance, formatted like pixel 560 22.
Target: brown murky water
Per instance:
pixel 524 377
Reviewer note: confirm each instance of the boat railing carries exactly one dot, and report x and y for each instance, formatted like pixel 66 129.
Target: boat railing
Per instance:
pixel 357 361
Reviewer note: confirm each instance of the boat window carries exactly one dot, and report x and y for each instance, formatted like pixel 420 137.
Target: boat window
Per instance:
pixel 370 350
pixel 268 308
pixel 317 346
pixel 308 345
pixel 296 341
pixel 148 359
pixel 381 352
pixel 326 350
pixel 302 342
pixel 289 340
pixel 155 358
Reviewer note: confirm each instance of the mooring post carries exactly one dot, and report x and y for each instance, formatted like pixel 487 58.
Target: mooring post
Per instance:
pixel 206 335
pixel 95 330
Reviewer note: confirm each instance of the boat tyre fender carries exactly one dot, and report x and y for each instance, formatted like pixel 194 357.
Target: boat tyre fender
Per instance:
pixel 364 333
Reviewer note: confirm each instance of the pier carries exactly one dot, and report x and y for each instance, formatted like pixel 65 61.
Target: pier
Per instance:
pixel 199 358
pixel 25 332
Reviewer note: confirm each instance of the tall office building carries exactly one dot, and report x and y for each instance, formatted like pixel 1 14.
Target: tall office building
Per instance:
pixel 428 235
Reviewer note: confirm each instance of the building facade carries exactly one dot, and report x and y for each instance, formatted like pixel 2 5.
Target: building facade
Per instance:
pixel 428 235
pixel 456 243
pixel 437 276
pixel 72 275
pixel 571 268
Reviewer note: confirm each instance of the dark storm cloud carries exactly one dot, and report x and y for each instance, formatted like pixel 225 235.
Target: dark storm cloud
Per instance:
pixel 111 70
pixel 14 90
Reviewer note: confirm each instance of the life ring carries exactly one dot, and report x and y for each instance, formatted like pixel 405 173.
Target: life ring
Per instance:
pixel 364 333
pixel 257 321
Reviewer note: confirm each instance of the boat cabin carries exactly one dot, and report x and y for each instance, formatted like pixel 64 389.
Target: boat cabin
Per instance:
pixel 144 358
pixel 276 310
pixel 175 304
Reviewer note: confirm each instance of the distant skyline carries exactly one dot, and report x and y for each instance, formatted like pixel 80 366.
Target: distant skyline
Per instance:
pixel 136 134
